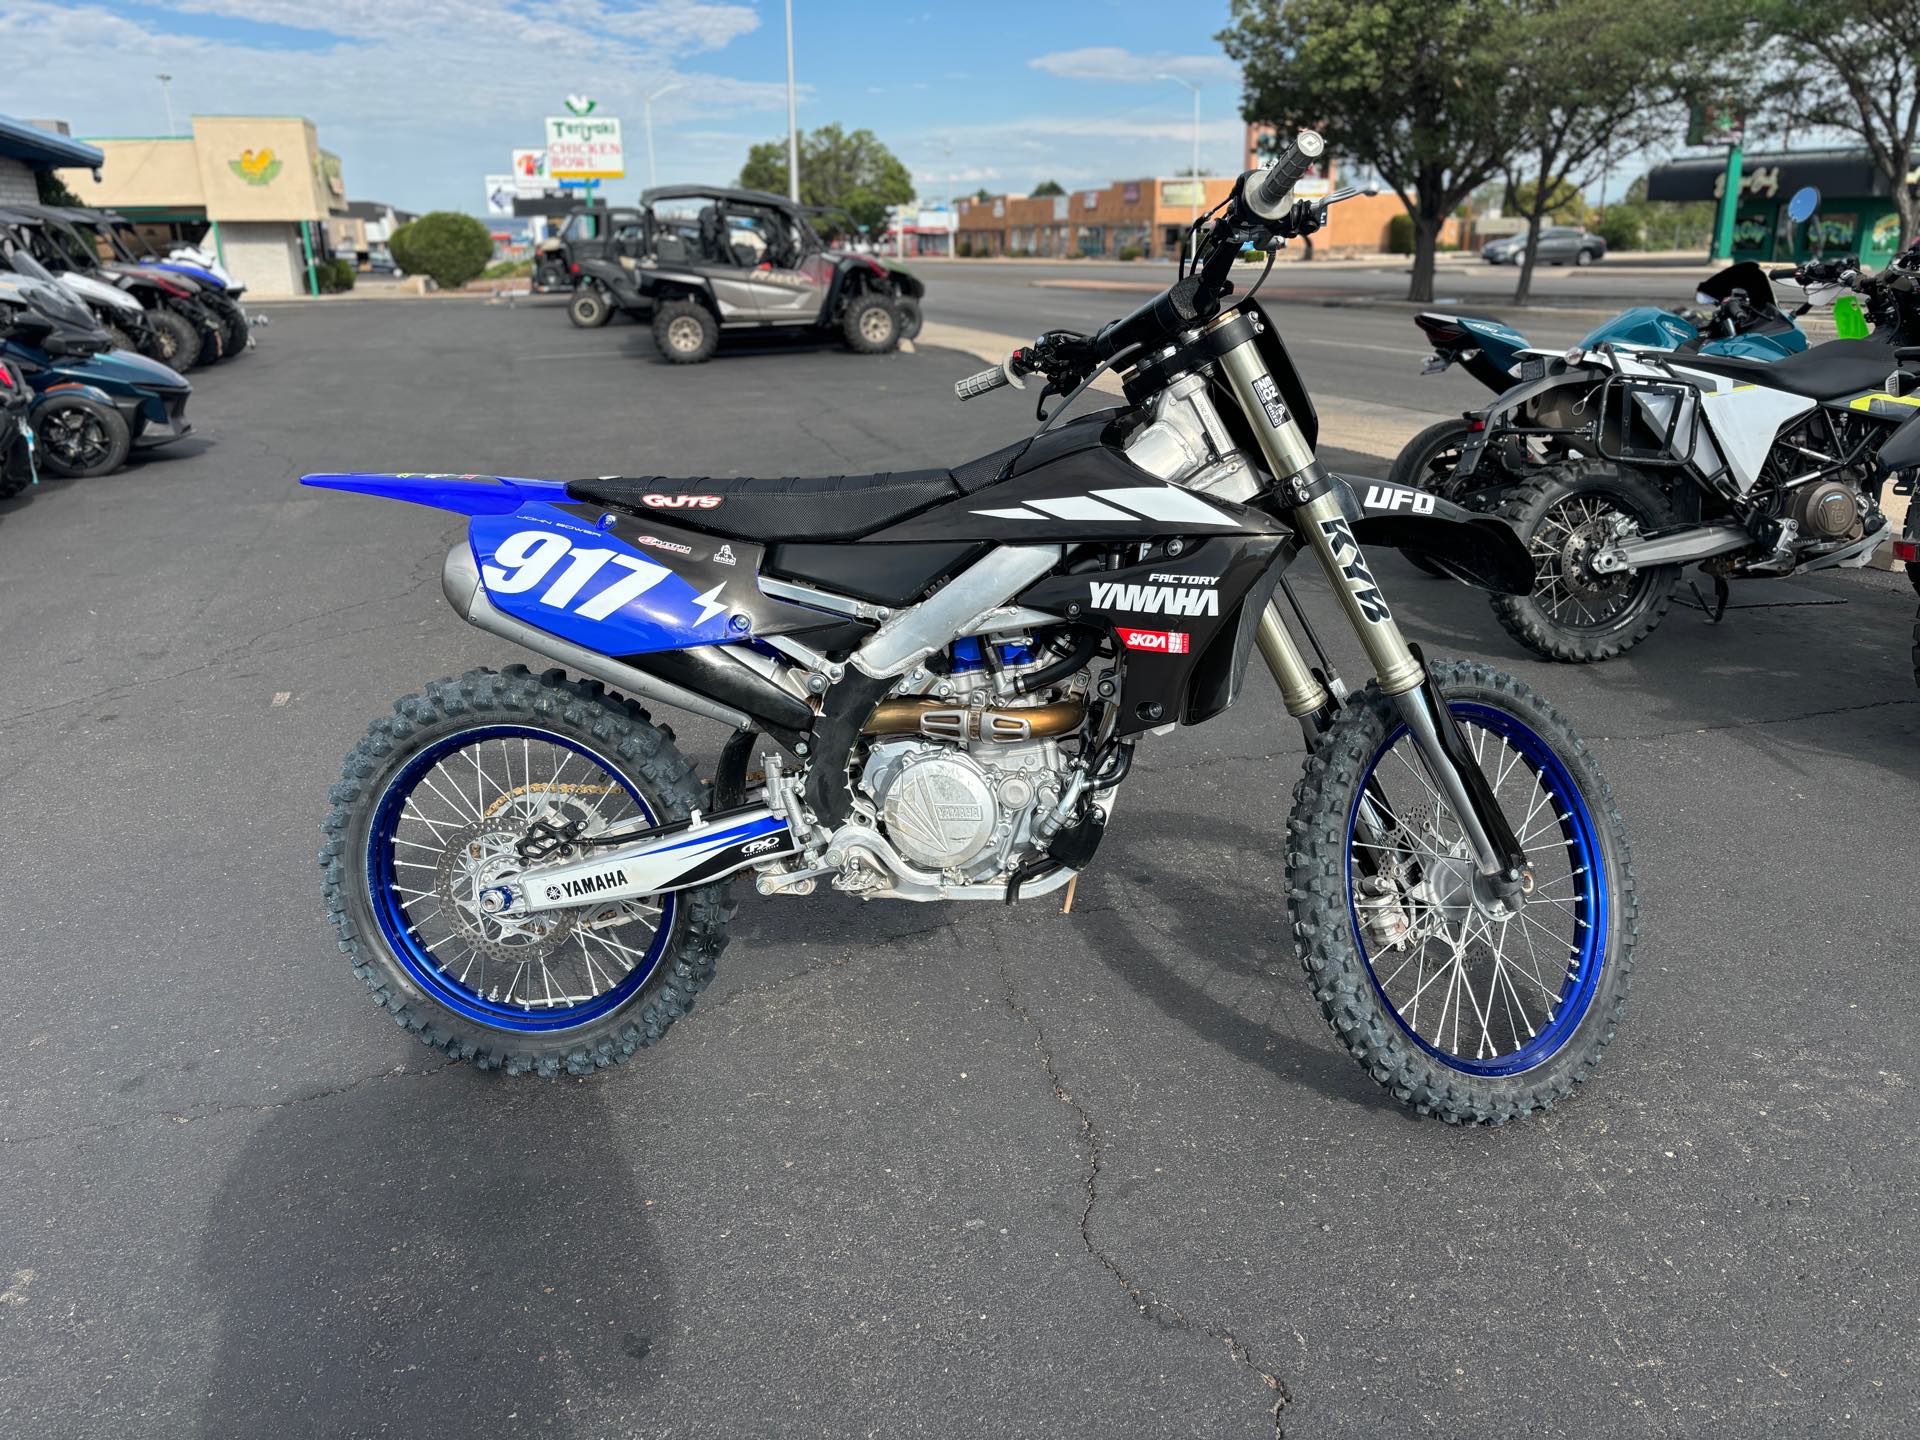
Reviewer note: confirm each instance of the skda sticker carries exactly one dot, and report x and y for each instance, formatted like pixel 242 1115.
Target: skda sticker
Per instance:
pixel 1163 642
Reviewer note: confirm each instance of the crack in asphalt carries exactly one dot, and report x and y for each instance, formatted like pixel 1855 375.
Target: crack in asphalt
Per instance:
pixel 204 1112
pixel 1162 1313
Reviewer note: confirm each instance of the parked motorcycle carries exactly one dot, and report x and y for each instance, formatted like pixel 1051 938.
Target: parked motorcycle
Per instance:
pixel 1753 470
pixel 92 403
pixel 1744 319
pixel 936 681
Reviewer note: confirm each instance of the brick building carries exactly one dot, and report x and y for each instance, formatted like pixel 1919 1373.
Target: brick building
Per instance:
pixel 1151 216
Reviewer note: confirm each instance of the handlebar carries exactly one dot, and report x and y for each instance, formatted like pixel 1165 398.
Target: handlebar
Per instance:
pixel 1268 196
pixel 1005 373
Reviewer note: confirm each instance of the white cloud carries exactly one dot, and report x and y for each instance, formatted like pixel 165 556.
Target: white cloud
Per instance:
pixel 1110 62
pixel 420 99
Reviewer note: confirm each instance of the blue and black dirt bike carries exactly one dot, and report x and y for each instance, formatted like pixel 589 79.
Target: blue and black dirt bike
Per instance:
pixel 91 403
pixel 935 682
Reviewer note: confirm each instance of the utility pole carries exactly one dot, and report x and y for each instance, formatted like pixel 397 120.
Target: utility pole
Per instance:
pixel 1199 186
pixel 646 106
pixel 167 95
pixel 793 124
pixel 1729 203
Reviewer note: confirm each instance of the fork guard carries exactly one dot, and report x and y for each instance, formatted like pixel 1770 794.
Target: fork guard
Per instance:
pixel 1481 550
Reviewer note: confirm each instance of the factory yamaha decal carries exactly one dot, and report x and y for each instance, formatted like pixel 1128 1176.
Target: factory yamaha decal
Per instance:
pixel 1186 595
pixel 1353 569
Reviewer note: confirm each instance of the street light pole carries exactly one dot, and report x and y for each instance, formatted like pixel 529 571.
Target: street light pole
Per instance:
pixel 793 127
pixel 646 105
pixel 167 95
pixel 1199 186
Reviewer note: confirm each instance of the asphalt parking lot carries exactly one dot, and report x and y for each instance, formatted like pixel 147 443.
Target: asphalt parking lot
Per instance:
pixel 906 1170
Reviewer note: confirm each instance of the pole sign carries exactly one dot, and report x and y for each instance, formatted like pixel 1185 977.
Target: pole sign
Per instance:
pixel 1715 123
pixel 500 193
pixel 530 172
pixel 584 147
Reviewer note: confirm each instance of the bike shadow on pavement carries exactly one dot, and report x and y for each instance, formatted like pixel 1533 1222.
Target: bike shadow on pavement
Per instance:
pixel 431 1253
pixel 1186 949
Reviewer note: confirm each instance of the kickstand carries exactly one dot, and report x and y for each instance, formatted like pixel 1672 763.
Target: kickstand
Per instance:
pixel 1716 611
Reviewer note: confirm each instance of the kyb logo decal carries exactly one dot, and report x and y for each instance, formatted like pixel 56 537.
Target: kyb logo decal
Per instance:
pixel 1360 582
pixel 681 502
pixel 1164 642
pixel 1189 599
pixel 1394 497
pixel 587 885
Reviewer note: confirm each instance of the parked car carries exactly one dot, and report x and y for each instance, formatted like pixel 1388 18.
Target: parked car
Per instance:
pixel 1559 245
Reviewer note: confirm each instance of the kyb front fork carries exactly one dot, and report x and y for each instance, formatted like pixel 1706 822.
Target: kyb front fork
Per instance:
pixel 1316 513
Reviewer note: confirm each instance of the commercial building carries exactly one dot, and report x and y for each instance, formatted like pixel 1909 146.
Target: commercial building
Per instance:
pixel 29 148
pixel 1148 219
pixel 361 235
pixel 256 188
pixel 1856 215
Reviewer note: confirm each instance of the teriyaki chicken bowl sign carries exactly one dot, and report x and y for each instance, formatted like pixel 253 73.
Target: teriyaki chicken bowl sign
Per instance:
pixel 584 147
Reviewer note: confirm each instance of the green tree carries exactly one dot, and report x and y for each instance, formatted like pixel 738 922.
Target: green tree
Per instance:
pixel 854 173
pixel 1854 65
pixel 53 190
pixel 1414 89
pixel 1584 77
pixel 1046 188
pixel 451 247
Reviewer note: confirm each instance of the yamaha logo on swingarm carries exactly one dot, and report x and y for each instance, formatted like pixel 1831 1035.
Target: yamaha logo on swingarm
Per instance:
pixel 1360 582
pixel 587 885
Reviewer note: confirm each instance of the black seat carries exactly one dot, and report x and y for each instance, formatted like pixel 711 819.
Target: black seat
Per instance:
pixel 1826 372
pixel 824 507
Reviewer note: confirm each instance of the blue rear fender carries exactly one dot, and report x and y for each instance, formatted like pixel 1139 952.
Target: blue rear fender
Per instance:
pixel 571 577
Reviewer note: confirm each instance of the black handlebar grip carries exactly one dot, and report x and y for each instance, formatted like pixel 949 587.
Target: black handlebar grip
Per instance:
pixel 983 382
pixel 1267 195
pixel 1787 274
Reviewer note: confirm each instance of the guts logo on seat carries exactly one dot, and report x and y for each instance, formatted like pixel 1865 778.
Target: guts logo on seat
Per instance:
pixel 1165 642
pixel 680 502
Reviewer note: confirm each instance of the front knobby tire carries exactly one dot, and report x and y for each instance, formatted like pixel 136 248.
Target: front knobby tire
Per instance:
pixel 1518 1050
pixel 410 960
pixel 685 332
pixel 1563 516
pixel 589 309
pixel 176 343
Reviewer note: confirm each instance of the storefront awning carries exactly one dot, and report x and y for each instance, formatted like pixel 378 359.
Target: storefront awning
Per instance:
pixel 39 149
pixel 1837 173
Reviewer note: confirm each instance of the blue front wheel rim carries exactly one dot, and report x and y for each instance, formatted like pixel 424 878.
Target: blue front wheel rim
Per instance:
pixel 1483 997
pixel 444 826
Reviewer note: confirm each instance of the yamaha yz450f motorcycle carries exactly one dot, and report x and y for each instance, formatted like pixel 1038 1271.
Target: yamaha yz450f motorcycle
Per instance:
pixel 944 674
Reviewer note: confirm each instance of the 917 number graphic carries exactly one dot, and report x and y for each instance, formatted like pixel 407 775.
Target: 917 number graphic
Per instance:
pixel 527 557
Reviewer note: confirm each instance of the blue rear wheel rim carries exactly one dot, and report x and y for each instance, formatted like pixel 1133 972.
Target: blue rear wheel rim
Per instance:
pixel 409 929
pixel 1515 1019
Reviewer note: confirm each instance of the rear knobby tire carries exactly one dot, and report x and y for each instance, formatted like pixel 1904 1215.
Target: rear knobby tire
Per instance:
pixel 584 712
pixel 870 324
pixel 1549 622
pixel 685 332
pixel 1426 463
pixel 1325 926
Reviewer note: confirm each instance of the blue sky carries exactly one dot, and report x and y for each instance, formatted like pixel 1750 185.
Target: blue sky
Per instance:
pixel 421 98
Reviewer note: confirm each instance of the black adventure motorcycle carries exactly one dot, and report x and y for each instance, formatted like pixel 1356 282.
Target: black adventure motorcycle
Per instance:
pixel 937 679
